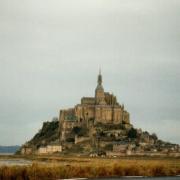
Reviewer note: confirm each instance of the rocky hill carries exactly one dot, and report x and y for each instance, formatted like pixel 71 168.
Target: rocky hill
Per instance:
pixel 97 124
pixel 120 138
pixel 47 134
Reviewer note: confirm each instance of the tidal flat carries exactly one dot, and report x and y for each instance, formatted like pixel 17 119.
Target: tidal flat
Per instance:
pixel 60 167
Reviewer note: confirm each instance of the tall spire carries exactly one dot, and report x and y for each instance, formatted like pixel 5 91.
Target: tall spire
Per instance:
pixel 99 77
pixel 99 92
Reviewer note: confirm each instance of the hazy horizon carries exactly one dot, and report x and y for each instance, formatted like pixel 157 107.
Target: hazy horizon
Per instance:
pixel 51 52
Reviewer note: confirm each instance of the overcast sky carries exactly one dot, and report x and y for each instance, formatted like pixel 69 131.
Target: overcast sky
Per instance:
pixel 51 51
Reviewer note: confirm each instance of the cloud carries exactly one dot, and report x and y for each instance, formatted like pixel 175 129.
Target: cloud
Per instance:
pixel 51 52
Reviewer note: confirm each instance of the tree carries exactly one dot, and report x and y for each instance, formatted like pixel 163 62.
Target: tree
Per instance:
pixel 132 133
pixel 154 136
pixel 79 131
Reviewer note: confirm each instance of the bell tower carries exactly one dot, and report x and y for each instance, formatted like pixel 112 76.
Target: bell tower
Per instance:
pixel 99 92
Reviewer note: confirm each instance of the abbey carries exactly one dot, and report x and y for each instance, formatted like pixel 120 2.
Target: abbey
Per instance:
pixel 97 126
pixel 103 108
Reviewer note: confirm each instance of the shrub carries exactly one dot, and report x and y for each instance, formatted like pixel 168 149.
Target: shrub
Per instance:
pixel 132 133
pixel 79 131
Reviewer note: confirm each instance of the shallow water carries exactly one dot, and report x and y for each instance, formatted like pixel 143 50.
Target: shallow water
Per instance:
pixel 5 154
pixel 141 178
pixel 13 162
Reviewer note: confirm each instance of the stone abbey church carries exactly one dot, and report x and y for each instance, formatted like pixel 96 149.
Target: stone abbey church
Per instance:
pixel 99 125
pixel 103 108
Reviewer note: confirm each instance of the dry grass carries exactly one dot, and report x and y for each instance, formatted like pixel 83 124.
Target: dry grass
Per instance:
pixel 85 167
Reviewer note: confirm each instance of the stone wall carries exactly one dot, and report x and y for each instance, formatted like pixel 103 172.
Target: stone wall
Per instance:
pixel 88 100
pixel 66 127
pixel 117 118
pixel 26 150
pixel 42 150
pixel 81 139
pixel 110 99
pixel 84 112
pixel 126 117
pixel 110 114
pixel 120 148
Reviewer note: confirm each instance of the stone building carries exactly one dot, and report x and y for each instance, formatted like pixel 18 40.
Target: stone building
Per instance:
pixel 120 147
pixel 49 149
pixel 102 108
pixel 26 150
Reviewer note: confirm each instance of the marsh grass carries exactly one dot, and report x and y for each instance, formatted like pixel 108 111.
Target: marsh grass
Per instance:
pixel 84 167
